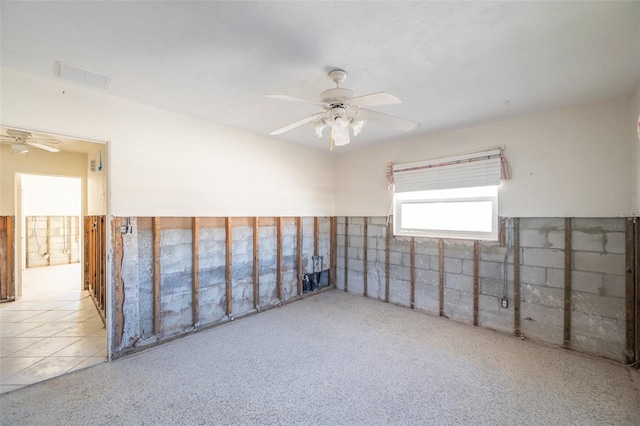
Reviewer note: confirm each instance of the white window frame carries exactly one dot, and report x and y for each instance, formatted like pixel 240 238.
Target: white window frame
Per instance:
pixel 447 196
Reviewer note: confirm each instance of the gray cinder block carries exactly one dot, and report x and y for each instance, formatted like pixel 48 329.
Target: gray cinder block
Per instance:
pixel 453 265
pixel 615 242
pixel 534 238
pixel 599 224
pixel 458 282
pixel 533 275
pixel 613 264
pixel 583 241
pixel 550 258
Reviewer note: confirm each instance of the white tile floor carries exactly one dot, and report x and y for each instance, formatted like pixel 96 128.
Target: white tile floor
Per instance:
pixel 53 329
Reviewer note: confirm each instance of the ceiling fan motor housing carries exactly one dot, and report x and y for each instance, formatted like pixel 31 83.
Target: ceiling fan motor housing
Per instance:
pixel 336 96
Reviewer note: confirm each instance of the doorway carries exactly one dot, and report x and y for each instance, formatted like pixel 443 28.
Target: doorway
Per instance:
pixel 51 235
pixel 52 325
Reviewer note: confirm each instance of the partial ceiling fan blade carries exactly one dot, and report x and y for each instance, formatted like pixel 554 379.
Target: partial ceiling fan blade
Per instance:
pixel 305 120
pixel 43 146
pixel 388 120
pixel 292 99
pixel 374 99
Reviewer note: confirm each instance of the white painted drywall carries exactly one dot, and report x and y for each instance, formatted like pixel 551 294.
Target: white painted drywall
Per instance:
pixel 166 164
pixel 65 164
pixel 635 143
pixel 97 180
pixel 575 162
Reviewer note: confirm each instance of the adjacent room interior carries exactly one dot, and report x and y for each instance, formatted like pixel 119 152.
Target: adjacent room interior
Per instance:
pixel 56 320
pixel 412 211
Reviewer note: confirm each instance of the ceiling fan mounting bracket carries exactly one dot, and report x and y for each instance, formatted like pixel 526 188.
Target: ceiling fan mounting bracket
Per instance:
pixel 338 76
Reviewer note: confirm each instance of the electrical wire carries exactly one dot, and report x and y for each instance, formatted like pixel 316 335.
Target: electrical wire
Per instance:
pixel 35 234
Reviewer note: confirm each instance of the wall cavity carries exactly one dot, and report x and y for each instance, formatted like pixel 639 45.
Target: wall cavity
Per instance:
pixel 467 281
pixel 158 293
pixel 52 240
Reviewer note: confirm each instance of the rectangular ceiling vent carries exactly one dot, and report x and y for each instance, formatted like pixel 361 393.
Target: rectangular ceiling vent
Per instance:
pixel 78 75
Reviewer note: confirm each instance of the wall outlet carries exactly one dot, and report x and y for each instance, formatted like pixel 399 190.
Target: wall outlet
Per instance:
pixel 505 303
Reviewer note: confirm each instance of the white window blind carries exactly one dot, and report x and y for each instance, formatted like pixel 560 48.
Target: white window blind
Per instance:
pixel 461 171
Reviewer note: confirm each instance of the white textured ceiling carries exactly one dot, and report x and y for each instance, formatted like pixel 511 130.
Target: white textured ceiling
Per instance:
pixel 453 64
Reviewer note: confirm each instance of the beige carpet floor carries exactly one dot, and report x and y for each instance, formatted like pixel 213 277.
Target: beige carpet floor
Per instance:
pixel 337 359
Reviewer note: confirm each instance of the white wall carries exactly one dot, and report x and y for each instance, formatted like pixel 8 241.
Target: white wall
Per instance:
pixel 97 180
pixel 571 162
pixel 167 164
pixel 38 162
pixel 635 141
pixel 574 162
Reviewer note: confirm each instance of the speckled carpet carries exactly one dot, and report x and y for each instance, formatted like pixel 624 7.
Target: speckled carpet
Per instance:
pixel 337 359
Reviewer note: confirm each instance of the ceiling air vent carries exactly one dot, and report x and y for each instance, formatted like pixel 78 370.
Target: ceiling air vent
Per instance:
pixel 78 75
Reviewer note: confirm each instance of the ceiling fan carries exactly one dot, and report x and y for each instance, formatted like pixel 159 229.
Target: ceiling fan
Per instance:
pixel 21 141
pixel 344 110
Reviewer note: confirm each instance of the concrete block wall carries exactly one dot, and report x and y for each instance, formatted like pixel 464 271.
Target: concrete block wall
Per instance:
pixel 427 276
pixel 376 235
pixel 324 241
pixel 289 260
pixel 598 278
pixel 598 286
pixel 57 253
pixel 340 260
pixel 542 278
pixel 175 281
pixel 491 260
pixel 268 258
pixel 176 263
pixel 212 275
pixel 143 331
pixel 242 269
pixel 458 280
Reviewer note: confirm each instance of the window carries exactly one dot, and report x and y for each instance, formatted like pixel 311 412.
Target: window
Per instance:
pixel 454 197
pixel 470 213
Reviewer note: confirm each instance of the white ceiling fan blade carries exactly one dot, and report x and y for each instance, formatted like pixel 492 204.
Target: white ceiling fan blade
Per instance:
pixel 388 120
pixel 292 99
pixel 374 99
pixel 43 146
pixel 305 120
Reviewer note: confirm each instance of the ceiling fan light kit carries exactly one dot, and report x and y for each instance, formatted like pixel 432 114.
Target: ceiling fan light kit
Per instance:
pixel 19 148
pixel 344 110
pixel 21 141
